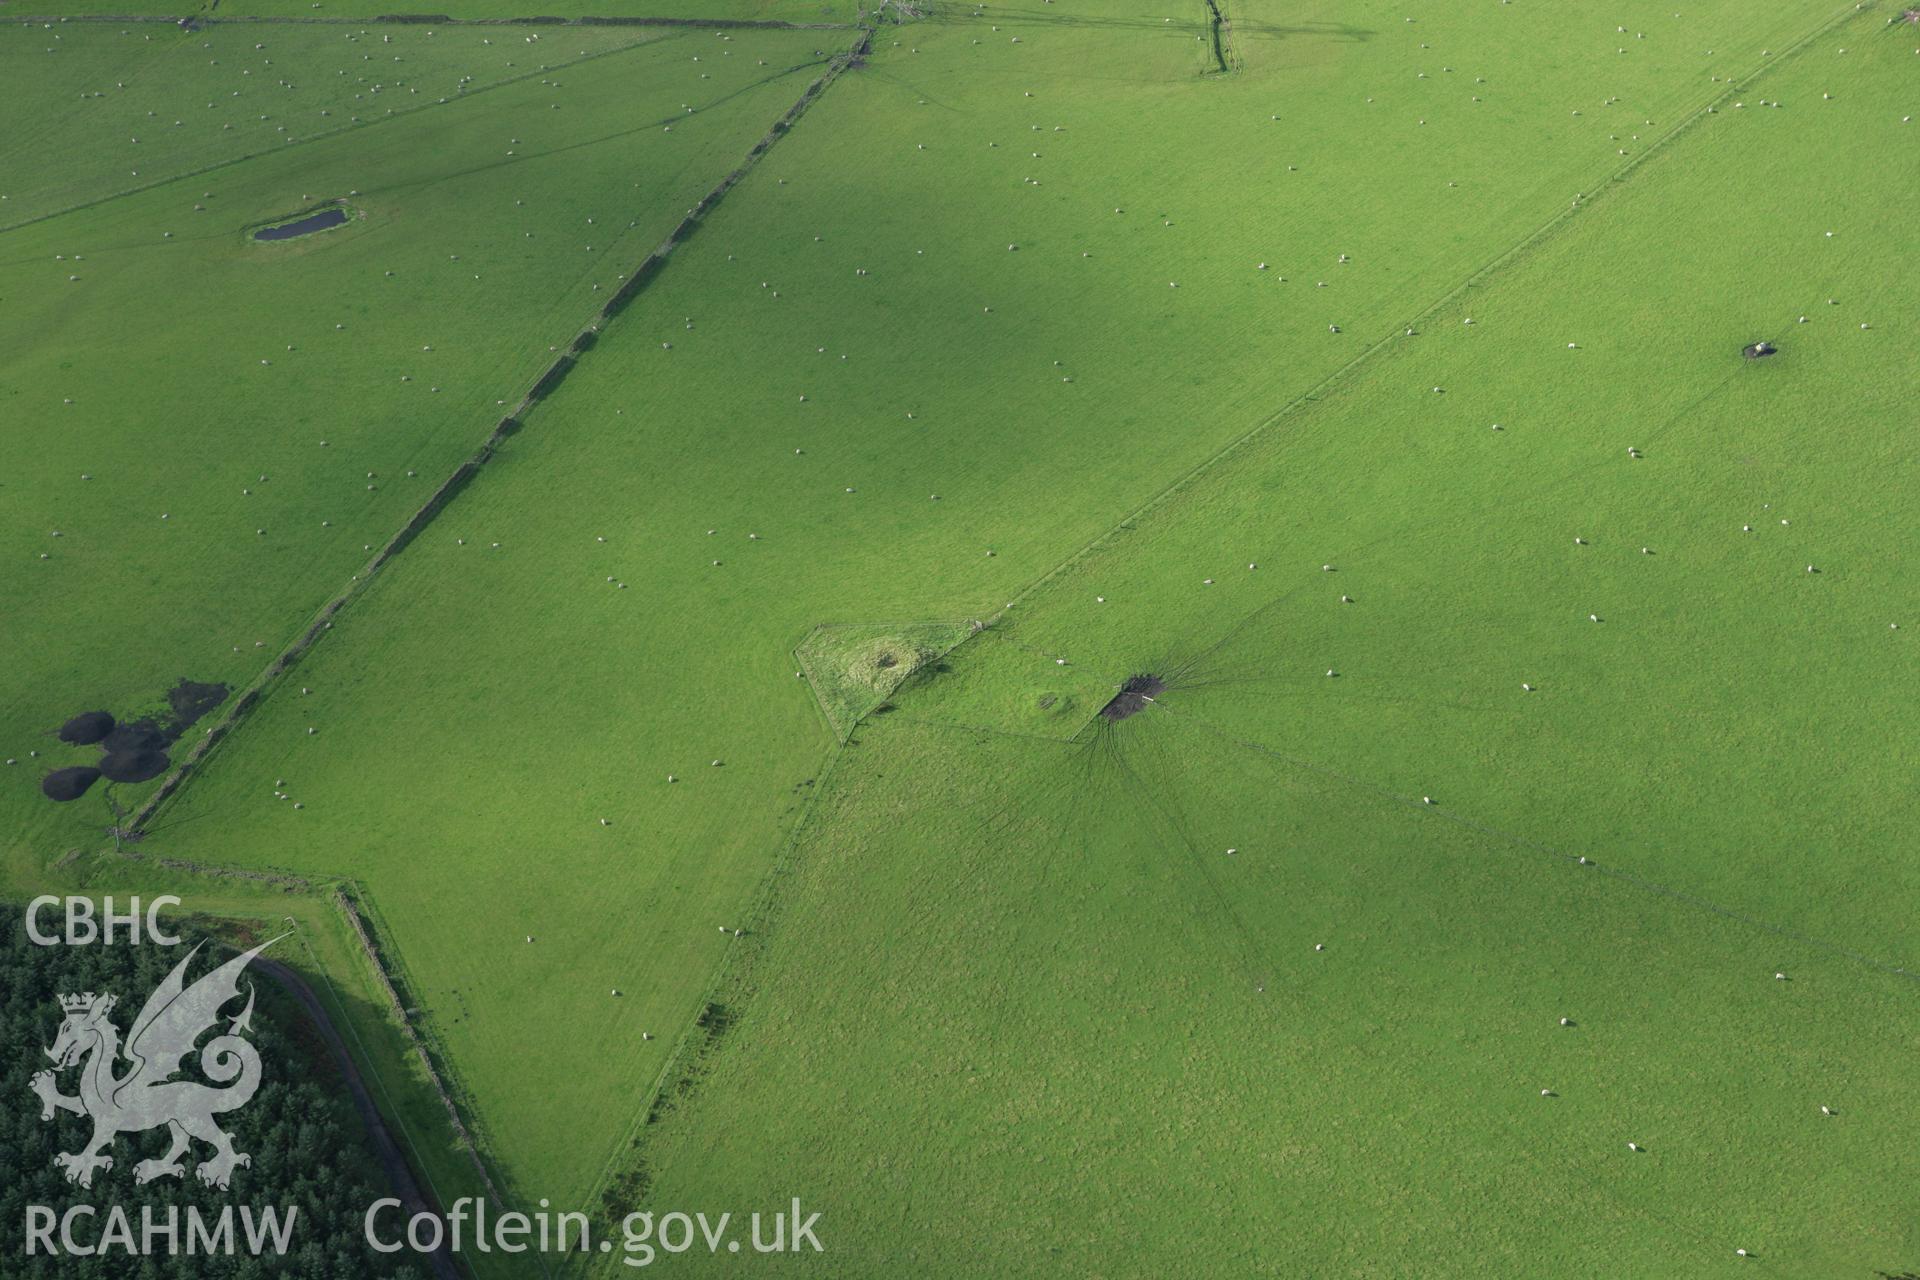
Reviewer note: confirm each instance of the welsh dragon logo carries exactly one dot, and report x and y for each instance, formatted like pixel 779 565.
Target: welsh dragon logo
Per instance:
pixel 145 1096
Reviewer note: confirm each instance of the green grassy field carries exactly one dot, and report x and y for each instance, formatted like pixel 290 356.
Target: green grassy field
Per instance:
pixel 1023 999
pixel 352 370
pixel 1042 319
pixel 392 17
pixel 126 109
pixel 216 434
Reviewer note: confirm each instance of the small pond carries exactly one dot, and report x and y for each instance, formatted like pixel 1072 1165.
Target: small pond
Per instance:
pixel 305 227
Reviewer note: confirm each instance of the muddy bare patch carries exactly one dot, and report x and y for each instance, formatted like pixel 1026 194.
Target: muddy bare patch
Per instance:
pixel 87 728
pixel 133 766
pixel 190 699
pixel 1134 696
pixel 131 750
pixel 136 735
pixel 64 785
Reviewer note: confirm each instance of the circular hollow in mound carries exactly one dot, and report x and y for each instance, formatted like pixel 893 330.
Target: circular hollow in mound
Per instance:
pixel 1758 350
pixel 1133 697
pixel 134 737
pixel 69 784
pixel 886 663
pixel 133 766
pixel 86 728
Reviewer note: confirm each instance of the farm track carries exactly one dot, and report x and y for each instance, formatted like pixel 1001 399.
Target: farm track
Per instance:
pixel 392 1162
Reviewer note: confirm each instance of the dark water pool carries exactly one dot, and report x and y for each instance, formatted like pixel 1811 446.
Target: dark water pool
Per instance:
pixel 305 227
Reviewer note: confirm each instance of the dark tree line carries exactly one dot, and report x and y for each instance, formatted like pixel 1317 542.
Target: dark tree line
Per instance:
pixel 309 1149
